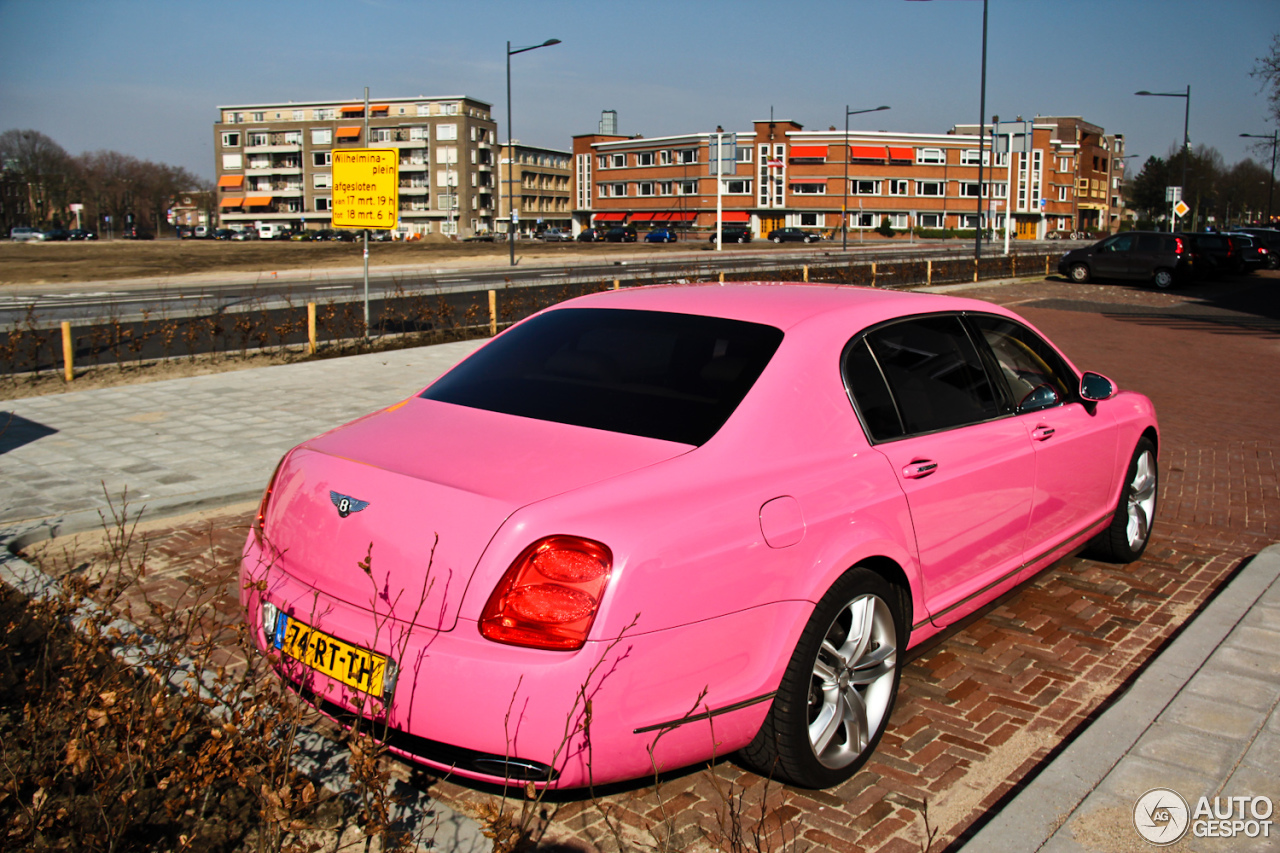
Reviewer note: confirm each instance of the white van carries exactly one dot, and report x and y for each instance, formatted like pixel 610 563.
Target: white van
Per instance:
pixel 270 230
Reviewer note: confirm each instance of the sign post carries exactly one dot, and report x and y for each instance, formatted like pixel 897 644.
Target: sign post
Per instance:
pixel 366 194
pixel 1173 195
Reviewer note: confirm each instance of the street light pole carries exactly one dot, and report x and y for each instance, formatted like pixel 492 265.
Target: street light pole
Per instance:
pixel 1275 138
pixel 511 147
pixel 982 112
pixel 844 210
pixel 1186 130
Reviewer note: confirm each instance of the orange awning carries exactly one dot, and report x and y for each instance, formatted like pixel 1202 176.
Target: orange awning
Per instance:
pixel 869 152
pixel 684 216
pixel 231 181
pixel 809 152
pixel 347 133
pixel 610 217
pixel 358 108
pixel 257 201
pixel 644 217
pixel 232 202
pixel 902 154
pixel 735 216
pixel 376 108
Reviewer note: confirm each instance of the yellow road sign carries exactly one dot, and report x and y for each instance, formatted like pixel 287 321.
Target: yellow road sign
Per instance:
pixel 366 188
pixel 1181 208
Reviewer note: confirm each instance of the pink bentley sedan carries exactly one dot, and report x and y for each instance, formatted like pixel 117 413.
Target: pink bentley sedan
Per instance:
pixel 649 527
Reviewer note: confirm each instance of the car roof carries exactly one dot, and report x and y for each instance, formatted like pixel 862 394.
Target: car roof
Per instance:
pixel 784 305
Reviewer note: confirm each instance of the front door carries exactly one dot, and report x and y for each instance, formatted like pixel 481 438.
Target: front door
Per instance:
pixel 771 222
pixel 1026 229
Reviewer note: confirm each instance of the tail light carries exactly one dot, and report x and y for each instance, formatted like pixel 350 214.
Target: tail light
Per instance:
pixel 549 597
pixel 260 519
pixel 1179 247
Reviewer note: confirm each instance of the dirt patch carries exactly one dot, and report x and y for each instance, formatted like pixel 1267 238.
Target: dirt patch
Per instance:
pixel 44 263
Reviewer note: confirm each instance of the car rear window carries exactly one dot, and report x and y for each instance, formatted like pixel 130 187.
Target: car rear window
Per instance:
pixel 675 377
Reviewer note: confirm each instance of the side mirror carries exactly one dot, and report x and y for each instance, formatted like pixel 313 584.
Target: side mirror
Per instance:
pixel 1041 397
pixel 1095 387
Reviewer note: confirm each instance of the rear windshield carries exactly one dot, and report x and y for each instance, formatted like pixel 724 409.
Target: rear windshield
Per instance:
pixel 675 377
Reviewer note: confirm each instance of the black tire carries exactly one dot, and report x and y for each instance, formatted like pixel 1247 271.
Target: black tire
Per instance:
pixel 1163 279
pixel 1126 537
pixel 776 239
pixel 1079 273
pixel 817 685
pixel 742 239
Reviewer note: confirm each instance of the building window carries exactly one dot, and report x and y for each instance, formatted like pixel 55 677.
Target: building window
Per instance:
pixel 969 189
pixel 258 117
pixel 257 139
pixel 969 157
pixel 666 188
pixel 380 134
pixel 446 132
pixel 811 220
pixel 864 187
pixel 688 155
pixel 324 204
pixel 664 157
pixel 929 220
pixel 230 140
pixel 744 153
pixel 293 137
pixel 327 114
pixel 687 187
pixel 929 187
pixel 235 118
pixel 446 178
pixel 644 158
pixel 644 188
pixel 321 158
pixel 293 205
pixel 930 156
pixel 448 109
pixel 737 187
pixel 322 180
pixel 817 188
pixel 231 161
pixel 299 115
pixel 446 154
pixel 898 187
pixel 618 161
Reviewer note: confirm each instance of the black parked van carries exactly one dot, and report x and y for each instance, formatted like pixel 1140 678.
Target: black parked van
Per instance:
pixel 1158 257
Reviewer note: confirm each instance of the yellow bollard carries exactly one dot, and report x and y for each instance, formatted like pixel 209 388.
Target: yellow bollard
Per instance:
pixel 722 277
pixel 616 284
pixel 873 273
pixel 975 269
pixel 806 272
pixel 311 328
pixel 493 313
pixel 928 272
pixel 68 352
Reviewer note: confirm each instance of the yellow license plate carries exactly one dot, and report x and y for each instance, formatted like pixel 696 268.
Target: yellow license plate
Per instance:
pixel 353 666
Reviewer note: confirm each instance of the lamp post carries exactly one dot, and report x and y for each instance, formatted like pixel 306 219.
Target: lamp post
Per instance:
pixel 1275 138
pixel 844 210
pixel 1186 131
pixel 511 147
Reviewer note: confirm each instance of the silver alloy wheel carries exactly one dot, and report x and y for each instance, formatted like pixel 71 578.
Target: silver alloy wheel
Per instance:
pixel 851 689
pixel 1141 500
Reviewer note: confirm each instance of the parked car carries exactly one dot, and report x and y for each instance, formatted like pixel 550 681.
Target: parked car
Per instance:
pixel 748 500
pixel 555 235
pixel 1215 254
pixel 1270 239
pixel 1253 254
pixel 82 234
pixel 482 237
pixel 135 232
pixel 23 234
pixel 621 234
pixel 734 234
pixel 1161 258
pixel 793 235
pixel 223 234
pixel 661 235
pixel 57 235
pixel 591 235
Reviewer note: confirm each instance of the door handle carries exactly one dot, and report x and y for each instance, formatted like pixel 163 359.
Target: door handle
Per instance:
pixel 919 468
pixel 1042 433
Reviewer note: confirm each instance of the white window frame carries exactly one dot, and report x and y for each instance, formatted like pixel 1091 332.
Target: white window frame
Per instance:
pixel 899 186
pixel 687 156
pixel 323 203
pixel 737 186
pixel 321 158
pixel 446 132
pixel 379 134
pixel 645 189
pixel 855 187
pixel 686 187
pixel 931 157
pixel 664 157
pixel 231 139
pixel 941 186
pixel 322 180
pixel 644 158
pixel 327 114
pixel 930 220
pixel 232 161
pixel 617 161
pixel 257 139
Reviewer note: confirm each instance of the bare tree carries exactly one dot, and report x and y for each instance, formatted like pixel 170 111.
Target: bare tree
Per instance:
pixel 1267 69
pixel 46 168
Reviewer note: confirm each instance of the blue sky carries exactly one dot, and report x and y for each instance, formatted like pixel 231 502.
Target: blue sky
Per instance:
pixel 145 78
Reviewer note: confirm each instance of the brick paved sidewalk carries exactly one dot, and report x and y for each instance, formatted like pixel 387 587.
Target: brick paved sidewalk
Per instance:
pixel 981 707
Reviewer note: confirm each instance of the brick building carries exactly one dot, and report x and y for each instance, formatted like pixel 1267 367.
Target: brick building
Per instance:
pixel 788 176
pixel 274 161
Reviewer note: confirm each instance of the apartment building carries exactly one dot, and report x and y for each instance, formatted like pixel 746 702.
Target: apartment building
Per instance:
pixel 541 183
pixel 785 175
pixel 274 161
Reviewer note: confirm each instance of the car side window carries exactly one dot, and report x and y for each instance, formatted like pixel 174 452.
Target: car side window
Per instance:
pixel 929 371
pixel 1026 361
pixel 1120 243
